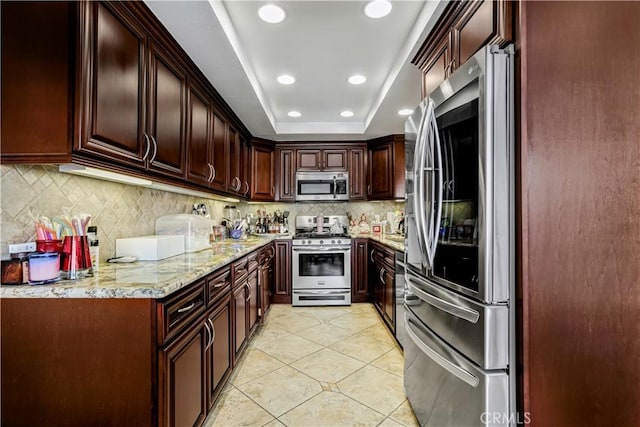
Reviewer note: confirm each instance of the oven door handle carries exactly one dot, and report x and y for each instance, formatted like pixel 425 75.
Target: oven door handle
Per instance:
pixel 333 248
pixel 322 292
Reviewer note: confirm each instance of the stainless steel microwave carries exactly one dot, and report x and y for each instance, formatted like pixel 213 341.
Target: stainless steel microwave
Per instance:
pixel 322 186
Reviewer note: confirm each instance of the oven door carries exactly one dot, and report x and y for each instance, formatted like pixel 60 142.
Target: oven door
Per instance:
pixel 321 268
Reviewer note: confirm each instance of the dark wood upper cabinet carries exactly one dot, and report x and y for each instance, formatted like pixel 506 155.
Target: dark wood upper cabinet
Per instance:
pixel 286 170
pixel 357 173
pixel 219 151
pixel 262 171
pixel 437 69
pixel 113 85
pixel 246 167
pixel 320 159
pixel 199 168
pixel 167 111
pixel 234 181
pixel 37 81
pixel 386 168
pixel 308 160
pixel 463 28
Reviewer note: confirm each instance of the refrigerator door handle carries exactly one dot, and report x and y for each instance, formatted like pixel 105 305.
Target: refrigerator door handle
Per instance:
pixel 467 314
pixel 419 189
pixel 435 227
pixel 420 212
pixel 446 364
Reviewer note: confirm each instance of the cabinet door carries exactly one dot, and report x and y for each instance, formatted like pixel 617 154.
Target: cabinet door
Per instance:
pixel 234 184
pixel 252 301
pixel 437 68
pixel 308 160
pixel 359 267
pixel 484 22
pixel 166 119
pixel 239 318
pixel 265 283
pixel 357 174
pixel 37 124
pixel 286 175
pixel 246 168
pixel 183 379
pixel 198 138
pixel 219 354
pixel 381 171
pixel 262 174
pixel 219 159
pixel 282 273
pixel 335 160
pixel 389 296
pixel 113 99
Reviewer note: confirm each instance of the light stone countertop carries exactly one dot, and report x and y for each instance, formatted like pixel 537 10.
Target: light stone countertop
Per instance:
pixel 393 241
pixel 144 279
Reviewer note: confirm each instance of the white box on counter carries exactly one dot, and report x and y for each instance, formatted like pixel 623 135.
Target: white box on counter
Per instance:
pixel 195 229
pixel 150 248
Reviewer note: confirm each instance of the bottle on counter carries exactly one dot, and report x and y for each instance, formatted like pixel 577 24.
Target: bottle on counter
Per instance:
pixel 94 248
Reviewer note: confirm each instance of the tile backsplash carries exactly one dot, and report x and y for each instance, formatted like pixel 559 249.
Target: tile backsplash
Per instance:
pixel 120 210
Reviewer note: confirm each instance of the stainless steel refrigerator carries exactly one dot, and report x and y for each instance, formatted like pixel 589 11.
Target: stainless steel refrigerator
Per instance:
pixel 459 313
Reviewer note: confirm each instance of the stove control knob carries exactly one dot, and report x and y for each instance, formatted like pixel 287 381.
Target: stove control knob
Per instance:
pixel 321 242
pixel 333 242
pixel 339 241
pixel 309 241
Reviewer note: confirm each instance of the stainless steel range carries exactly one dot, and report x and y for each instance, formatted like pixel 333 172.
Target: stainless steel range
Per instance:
pixel 321 261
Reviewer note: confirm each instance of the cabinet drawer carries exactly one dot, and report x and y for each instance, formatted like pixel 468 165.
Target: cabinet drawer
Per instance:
pixel 252 261
pixel 382 256
pixel 240 268
pixel 177 312
pixel 218 284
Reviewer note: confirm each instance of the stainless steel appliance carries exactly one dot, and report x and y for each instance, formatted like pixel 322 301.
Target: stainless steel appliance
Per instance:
pixel 322 186
pixel 459 258
pixel 321 261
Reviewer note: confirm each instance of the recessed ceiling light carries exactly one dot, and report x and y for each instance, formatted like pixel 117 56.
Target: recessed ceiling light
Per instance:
pixel 271 13
pixel 286 79
pixel 347 113
pixel 294 114
pixel 377 8
pixel 357 79
pixel 405 112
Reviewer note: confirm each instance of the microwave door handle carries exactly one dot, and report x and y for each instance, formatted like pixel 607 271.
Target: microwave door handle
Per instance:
pixel 440 172
pixel 334 187
pixel 445 363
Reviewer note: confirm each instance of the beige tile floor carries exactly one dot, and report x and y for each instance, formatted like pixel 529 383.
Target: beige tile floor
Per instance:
pixel 317 366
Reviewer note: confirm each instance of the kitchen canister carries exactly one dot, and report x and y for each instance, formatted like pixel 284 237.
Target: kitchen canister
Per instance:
pixel 76 259
pixel 44 267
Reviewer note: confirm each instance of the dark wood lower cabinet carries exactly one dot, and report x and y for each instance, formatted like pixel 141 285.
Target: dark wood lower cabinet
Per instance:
pixel 240 319
pixel 252 302
pixel 282 272
pixel 219 355
pixel 381 275
pixel 182 367
pixel 359 284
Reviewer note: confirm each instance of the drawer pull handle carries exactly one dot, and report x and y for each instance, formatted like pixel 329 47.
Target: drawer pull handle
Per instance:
pixel 219 284
pixel 187 308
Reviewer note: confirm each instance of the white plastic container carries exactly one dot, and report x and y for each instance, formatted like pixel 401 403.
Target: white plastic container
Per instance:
pixel 195 229
pixel 150 248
